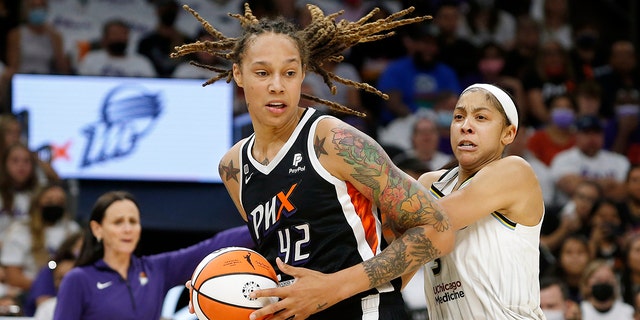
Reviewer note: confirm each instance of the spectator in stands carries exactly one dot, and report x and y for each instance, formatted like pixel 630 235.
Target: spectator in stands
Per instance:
pixel 555 23
pixel 445 104
pixel 555 302
pixel 601 291
pixel 525 47
pixel 29 244
pixel 630 278
pixel 557 135
pixel 415 81
pixel 424 142
pixel 588 98
pixel 44 286
pixel 18 184
pixel 8 20
pixel 113 59
pixel 455 51
pixel 345 95
pixel 587 54
pixel 550 75
pixel 486 23
pixel 624 128
pixel 11 133
pixel 188 70
pixel 607 234
pixel 622 73
pixel 571 263
pixel 589 160
pixel 573 217
pixel 34 46
pixel 159 43
pixel 490 69
pixel 630 207
pixel 371 59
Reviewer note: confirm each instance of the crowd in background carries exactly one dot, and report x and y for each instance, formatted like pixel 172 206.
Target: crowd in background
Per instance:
pixel 571 67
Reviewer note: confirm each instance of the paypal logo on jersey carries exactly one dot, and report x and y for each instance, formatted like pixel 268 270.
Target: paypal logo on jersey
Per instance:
pixel 296 163
pixel 128 113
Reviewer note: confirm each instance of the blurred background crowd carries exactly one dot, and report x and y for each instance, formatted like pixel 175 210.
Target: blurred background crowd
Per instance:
pixel 570 65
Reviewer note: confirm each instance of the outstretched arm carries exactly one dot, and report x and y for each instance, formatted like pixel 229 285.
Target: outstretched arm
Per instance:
pixel 355 158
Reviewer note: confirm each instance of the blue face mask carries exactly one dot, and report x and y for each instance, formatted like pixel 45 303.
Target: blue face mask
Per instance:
pixel 38 16
pixel 443 118
pixel 562 118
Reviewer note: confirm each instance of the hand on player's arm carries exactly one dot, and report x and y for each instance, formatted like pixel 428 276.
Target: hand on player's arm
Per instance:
pixel 314 291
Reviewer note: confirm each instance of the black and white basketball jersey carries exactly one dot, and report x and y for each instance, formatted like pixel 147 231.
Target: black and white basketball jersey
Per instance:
pixel 492 272
pixel 298 211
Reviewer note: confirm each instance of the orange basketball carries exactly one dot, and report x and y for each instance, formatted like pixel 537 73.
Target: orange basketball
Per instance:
pixel 222 282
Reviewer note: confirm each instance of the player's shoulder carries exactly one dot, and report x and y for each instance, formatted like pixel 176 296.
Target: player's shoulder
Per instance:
pixel 428 178
pixel 505 165
pixel 233 154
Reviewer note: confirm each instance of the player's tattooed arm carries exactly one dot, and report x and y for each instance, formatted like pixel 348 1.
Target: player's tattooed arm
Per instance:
pixel 406 204
pixel 229 172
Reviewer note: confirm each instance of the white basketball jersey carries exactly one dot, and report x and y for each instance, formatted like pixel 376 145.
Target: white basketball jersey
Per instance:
pixel 492 273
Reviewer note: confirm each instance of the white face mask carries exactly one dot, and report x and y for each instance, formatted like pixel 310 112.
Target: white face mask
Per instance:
pixel 553 314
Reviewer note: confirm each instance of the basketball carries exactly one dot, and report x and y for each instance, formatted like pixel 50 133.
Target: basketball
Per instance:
pixel 223 280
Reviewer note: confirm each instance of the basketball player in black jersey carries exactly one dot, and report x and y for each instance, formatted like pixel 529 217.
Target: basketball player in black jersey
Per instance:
pixel 311 187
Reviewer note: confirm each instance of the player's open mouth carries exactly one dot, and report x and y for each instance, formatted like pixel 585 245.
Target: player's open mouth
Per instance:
pixel 466 144
pixel 276 105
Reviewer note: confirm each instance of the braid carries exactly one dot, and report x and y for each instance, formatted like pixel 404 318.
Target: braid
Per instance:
pixel 322 40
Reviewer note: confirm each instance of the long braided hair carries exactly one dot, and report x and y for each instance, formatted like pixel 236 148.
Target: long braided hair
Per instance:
pixel 322 40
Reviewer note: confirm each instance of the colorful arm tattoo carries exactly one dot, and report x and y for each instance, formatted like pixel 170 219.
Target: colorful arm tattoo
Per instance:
pixel 402 199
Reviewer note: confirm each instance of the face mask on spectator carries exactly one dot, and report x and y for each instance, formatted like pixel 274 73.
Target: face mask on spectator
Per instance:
pixel 553 314
pixel 602 291
pixel 443 118
pixel 52 214
pixel 37 16
pixel 117 48
pixel 491 65
pixel 562 118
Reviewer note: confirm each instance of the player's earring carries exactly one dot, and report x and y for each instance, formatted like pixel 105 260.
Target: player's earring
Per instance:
pixel 99 239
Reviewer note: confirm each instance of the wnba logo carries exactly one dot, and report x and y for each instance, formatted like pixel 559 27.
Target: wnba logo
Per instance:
pixel 128 113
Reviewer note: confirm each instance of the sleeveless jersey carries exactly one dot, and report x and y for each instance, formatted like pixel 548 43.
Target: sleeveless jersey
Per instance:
pixel 492 273
pixel 298 211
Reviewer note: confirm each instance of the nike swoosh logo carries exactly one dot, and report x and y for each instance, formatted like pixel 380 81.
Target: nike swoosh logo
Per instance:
pixel 102 285
pixel 246 179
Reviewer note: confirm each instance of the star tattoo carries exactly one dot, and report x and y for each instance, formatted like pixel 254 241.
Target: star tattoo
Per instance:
pixel 231 172
pixel 318 147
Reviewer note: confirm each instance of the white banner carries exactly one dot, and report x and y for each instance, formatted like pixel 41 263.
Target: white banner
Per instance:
pixel 127 128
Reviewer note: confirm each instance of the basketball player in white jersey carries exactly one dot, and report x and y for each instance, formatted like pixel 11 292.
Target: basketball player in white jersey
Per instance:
pixel 496 205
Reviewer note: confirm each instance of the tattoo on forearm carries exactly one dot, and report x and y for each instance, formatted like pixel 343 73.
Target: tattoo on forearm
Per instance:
pixel 229 171
pixel 321 306
pixel 318 146
pixel 398 258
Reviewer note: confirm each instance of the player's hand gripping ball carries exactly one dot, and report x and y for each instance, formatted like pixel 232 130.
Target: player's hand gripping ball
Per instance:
pixel 222 282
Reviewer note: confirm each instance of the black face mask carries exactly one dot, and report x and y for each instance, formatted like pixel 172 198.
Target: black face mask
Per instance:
pixel 602 291
pixel 168 17
pixel 117 48
pixel 423 64
pixel 51 214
